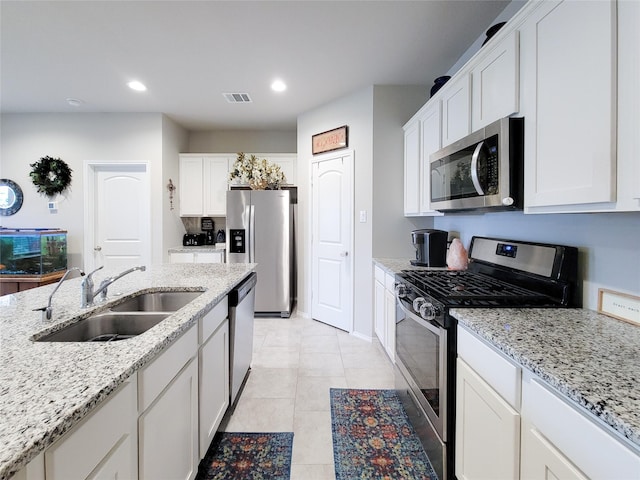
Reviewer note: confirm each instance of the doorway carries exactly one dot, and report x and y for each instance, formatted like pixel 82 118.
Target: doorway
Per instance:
pixel 117 215
pixel 332 240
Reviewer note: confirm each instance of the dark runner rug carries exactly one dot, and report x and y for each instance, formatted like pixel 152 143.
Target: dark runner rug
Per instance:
pixel 248 456
pixel 373 438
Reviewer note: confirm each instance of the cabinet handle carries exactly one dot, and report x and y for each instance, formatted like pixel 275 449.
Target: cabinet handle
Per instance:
pixel 344 254
pixel 98 248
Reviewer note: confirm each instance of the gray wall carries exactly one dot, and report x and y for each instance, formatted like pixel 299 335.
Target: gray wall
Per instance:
pixel 233 141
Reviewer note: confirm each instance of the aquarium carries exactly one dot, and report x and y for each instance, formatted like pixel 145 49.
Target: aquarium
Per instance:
pixel 32 251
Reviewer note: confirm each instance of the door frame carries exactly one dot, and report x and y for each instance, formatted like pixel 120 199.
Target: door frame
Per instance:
pixel 350 154
pixel 91 169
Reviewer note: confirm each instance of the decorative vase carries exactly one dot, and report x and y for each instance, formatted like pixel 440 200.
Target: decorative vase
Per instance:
pixel 438 83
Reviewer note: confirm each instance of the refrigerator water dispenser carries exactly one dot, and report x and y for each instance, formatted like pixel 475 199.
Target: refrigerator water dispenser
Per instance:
pixel 237 241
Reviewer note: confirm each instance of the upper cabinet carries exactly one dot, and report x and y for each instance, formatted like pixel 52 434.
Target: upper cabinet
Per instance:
pixel 203 185
pixel 569 103
pixel 456 109
pixel 495 82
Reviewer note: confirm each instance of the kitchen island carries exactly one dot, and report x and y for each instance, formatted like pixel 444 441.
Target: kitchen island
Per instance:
pixel 48 387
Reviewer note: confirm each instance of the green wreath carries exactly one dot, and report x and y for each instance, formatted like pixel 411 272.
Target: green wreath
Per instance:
pixel 50 175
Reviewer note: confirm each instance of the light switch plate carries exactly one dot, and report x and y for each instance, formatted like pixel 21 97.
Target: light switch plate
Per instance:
pixel 363 216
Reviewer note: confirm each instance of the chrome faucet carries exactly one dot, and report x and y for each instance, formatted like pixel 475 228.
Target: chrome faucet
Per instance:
pixel 87 285
pixel 47 312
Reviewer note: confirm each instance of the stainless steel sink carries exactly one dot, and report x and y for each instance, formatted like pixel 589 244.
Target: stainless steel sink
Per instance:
pixel 157 302
pixel 107 327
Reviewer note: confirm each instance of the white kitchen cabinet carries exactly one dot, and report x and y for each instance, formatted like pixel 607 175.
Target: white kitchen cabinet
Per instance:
pixel 385 310
pixel 487 400
pixel 288 163
pixel 412 167
pixel 379 326
pixel 103 445
pixel 168 402
pixel 196 257
pixel 568 72
pixel 559 438
pixel 213 372
pixel 495 77
pixel 422 137
pixel 203 184
pixel 456 108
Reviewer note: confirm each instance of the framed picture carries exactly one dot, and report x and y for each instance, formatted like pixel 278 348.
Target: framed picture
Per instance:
pixel 619 305
pixel 330 140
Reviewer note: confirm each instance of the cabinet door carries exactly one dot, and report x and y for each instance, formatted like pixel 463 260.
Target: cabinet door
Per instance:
pixel 214 384
pixel 103 445
pixel 181 257
pixel 213 257
pixel 456 109
pixel 540 459
pixel 288 165
pixel 216 184
pixel 479 410
pixel 168 430
pixel 431 137
pixel 495 83
pixel 390 323
pixel 379 325
pixel 191 186
pixel 568 55
pixel 412 168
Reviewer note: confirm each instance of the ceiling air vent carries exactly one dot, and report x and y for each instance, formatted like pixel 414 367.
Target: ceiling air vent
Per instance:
pixel 237 97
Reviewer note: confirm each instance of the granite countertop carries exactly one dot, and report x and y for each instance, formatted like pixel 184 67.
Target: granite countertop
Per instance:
pixel 592 359
pixel 218 247
pixel 46 388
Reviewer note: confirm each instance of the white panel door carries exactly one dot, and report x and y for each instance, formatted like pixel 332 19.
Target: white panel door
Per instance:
pixel 332 270
pixel 118 230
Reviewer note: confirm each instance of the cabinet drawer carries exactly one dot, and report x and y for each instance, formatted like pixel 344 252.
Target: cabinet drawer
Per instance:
pixel 590 447
pixel 499 372
pixel 157 375
pixel 78 453
pixel 212 320
pixel 389 282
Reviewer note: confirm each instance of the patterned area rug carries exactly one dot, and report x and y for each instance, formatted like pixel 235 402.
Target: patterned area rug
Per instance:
pixel 248 456
pixel 373 439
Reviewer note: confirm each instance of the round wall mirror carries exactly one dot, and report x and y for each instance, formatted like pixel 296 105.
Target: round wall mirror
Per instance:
pixel 10 197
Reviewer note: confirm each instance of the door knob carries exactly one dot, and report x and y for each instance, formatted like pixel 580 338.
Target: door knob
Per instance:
pixel 98 248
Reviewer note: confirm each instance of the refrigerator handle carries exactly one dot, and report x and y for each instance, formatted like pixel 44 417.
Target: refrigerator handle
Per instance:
pixel 252 234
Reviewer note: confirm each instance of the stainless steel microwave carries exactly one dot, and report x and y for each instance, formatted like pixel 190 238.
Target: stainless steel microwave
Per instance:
pixel 483 171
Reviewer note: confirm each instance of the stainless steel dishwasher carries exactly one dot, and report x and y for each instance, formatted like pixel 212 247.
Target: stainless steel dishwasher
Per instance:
pixel 241 310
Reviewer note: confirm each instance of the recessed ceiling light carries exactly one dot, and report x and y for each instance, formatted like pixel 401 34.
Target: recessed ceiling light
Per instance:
pixel 137 86
pixel 278 86
pixel 74 102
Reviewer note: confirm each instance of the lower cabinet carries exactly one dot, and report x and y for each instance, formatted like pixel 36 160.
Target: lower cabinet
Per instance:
pixel 102 446
pixel 510 424
pixel 385 310
pixel 168 429
pixel 197 257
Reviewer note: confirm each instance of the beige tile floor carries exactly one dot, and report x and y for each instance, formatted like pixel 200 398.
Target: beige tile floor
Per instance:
pixel 295 363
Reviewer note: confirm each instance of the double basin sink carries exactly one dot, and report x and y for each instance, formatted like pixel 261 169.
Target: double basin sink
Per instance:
pixel 130 318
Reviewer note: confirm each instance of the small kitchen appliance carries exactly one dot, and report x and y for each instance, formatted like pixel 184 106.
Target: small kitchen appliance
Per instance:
pixel 207 226
pixel 501 273
pixel 193 239
pixel 431 247
pixel 483 171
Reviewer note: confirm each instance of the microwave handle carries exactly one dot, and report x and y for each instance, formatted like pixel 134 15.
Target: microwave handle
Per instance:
pixel 474 169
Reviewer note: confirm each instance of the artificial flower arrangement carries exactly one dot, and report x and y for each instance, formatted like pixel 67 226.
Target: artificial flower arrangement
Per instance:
pixel 259 174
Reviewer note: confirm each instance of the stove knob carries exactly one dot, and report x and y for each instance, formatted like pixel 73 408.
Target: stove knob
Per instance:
pixel 401 290
pixel 429 311
pixel 417 303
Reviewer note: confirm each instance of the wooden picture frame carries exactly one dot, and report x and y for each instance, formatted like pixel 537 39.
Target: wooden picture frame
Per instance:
pixel 330 140
pixel 622 306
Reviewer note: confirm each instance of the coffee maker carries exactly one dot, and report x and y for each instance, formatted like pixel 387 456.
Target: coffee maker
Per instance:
pixel 431 247
pixel 206 225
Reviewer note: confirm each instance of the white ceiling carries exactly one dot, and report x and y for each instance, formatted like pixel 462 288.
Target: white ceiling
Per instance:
pixel 189 52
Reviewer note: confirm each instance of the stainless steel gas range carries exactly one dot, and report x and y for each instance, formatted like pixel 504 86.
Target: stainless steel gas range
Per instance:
pixel 501 273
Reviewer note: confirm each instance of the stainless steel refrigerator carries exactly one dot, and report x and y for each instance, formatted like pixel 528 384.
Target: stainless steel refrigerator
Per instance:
pixel 260 229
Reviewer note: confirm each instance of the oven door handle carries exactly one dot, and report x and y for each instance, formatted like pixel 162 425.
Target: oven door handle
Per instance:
pixel 474 169
pixel 418 319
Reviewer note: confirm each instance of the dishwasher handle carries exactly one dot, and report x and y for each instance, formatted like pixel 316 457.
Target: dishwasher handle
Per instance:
pixel 242 290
